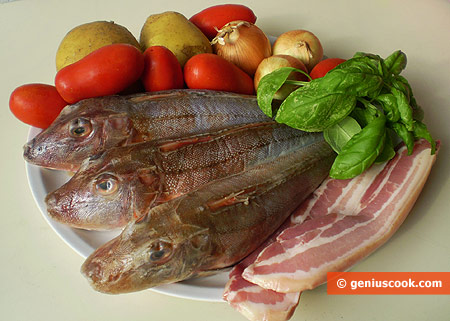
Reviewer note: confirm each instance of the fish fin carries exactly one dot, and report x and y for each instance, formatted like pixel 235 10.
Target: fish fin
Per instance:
pixel 174 144
pixel 148 176
pixel 179 143
pixel 199 239
pixel 231 199
pixel 142 201
pixel 153 96
pixel 140 217
pixel 119 124
pixel 200 274
pixel 119 121
pixel 140 206
pixel 166 196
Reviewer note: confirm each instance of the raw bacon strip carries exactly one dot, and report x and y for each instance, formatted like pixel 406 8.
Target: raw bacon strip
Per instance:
pixel 344 223
pixel 253 301
pixel 257 303
pixel 335 195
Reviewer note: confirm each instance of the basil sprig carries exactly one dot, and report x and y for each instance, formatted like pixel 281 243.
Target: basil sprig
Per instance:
pixel 366 90
pixel 361 150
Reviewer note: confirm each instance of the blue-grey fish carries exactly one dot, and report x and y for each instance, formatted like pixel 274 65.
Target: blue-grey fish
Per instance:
pixel 123 183
pixel 93 125
pixel 210 228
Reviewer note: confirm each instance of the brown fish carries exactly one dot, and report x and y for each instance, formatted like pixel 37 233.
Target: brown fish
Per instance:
pixel 93 125
pixel 210 228
pixel 123 183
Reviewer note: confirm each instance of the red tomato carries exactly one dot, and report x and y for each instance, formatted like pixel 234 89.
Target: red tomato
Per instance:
pixel 105 71
pixel 36 104
pixel 220 15
pixel 210 71
pixel 162 70
pixel 325 66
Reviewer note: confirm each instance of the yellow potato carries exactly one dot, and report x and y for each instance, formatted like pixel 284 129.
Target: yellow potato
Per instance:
pixel 83 39
pixel 175 32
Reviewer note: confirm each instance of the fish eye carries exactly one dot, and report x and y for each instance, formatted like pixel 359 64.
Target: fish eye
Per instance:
pixel 106 184
pixel 160 251
pixel 80 127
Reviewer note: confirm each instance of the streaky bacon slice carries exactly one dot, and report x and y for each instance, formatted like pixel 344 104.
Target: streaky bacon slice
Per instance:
pixel 253 301
pixel 343 222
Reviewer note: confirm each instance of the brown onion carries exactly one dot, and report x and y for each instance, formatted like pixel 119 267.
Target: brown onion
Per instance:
pixel 243 44
pixel 275 62
pixel 301 44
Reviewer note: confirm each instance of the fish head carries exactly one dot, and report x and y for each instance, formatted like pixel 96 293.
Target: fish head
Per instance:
pixel 157 249
pixel 110 189
pixel 80 130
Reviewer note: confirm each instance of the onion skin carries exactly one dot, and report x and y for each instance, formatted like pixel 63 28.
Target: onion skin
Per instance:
pixel 275 62
pixel 301 44
pixel 243 44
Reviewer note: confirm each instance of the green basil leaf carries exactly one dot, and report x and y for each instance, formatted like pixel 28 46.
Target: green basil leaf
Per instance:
pixel 373 109
pixel 389 104
pixel 418 113
pixel 377 63
pixel 420 131
pixel 396 62
pixel 388 151
pixel 363 115
pixel 404 109
pixel 403 88
pixel 360 151
pixel 356 76
pixel 405 135
pixel 311 109
pixel 384 71
pixel 361 54
pixel 269 85
pixel 339 134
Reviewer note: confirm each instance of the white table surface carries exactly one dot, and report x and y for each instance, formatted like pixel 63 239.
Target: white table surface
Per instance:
pixel 40 277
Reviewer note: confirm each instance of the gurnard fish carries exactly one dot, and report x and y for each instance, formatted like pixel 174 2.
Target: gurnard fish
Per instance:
pixel 123 183
pixel 210 228
pixel 93 125
pixel 338 225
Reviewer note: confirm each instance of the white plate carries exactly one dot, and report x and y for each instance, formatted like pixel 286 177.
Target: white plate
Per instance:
pixel 42 181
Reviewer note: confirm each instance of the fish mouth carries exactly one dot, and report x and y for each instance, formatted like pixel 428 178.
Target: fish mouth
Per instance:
pixel 52 206
pixel 32 152
pixel 105 276
pixel 39 154
pixel 59 210
pixel 116 274
pixel 93 272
